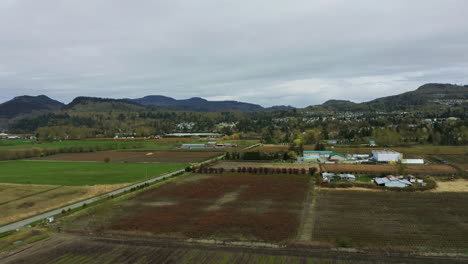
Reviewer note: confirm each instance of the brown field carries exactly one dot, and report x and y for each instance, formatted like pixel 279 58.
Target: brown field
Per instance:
pixel 48 199
pixel 173 156
pixel 377 169
pixel 227 206
pixel 410 221
pixel 234 165
pixel 135 156
pixel 67 248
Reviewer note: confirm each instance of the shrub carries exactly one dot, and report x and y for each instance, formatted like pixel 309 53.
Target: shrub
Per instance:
pixel 344 242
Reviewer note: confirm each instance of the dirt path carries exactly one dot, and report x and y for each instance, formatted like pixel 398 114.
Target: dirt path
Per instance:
pixel 307 218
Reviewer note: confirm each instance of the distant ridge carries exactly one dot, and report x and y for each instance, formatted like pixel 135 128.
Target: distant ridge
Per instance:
pixel 26 104
pixel 427 95
pixel 196 104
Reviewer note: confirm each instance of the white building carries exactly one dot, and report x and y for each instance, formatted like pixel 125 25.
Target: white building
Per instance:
pixel 387 155
pixel 413 161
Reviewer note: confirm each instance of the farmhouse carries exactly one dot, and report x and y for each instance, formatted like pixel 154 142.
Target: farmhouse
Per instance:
pixel 337 157
pixel 331 177
pixel 316 155
pixel 386 155
pixel 392 181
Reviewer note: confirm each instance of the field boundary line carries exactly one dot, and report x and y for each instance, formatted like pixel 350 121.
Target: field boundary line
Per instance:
pixel 306 227
pixel 252 146
pixel 29 195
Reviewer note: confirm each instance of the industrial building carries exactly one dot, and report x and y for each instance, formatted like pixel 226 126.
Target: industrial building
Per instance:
pixel 387 155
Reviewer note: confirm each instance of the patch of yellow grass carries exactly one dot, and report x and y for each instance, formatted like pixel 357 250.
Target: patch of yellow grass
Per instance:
pixel 452 186
pixel 47 201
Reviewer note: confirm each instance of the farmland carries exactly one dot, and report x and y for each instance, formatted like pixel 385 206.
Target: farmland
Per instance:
pixel 65 248
pixel 234 165
pixel 44 198
pixel 173 156
pixel 413 221
pixel 80 173
pixel 376 170
pixel 276 148
pixel 227 206
pixel 134 156
pixel 14 144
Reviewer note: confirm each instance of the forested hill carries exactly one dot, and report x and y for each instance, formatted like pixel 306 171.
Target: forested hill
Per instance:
pixel 428 95
pixel 195 104
pixel 27 104
pixel 431 96
pixel 95 104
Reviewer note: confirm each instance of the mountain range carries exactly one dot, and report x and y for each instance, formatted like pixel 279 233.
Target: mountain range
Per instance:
pixel 426 96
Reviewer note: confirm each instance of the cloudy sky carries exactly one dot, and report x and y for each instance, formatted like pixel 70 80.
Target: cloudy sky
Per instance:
pixel 295 52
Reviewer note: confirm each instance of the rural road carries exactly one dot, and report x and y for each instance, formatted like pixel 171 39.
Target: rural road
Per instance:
pixel 32 219
pixel 57 211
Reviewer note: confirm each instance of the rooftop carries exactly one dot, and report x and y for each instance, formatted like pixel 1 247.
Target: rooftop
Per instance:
pixel 385 151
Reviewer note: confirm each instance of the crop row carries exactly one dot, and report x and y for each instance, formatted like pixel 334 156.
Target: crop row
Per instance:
pixel 379 169
pixel 256 170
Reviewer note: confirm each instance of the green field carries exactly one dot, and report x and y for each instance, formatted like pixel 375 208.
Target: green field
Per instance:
pixel 17 144
pixel 80 173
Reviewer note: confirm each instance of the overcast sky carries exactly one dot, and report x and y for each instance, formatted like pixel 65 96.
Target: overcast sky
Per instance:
pixel 295 52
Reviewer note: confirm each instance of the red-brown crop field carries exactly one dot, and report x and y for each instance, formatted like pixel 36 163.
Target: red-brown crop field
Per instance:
pixel 227 206
pixel 135 156
pixel 173 156
pixel 377 169
pixel 410 221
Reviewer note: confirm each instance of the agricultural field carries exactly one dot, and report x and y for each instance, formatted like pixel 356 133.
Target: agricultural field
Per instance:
pixel 376 170
pixel 425 221
pixel 65 248
pixel 227 206
pixel 113 156
pixel 16 203
pixel 234 165
pixel 22 238
pixel 80 173
pixel 173 156
pixel 10 192
pixel 23 144
pixel 277 148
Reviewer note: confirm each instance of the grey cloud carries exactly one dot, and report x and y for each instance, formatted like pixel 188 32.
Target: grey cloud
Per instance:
pixel 296 52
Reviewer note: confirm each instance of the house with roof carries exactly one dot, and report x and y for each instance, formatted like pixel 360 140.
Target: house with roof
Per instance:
pixel 316 155
pixel 332 177
pixel 393 181
pixel 337 157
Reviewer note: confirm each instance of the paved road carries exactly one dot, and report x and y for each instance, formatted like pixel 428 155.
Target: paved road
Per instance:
pixel 30 220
